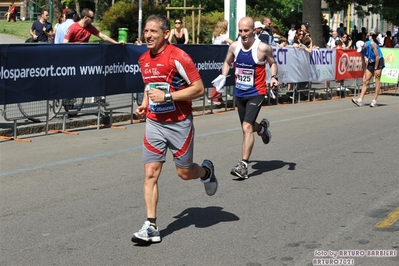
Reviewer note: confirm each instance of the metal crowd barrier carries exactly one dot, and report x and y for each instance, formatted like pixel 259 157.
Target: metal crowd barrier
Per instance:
pixel 45 111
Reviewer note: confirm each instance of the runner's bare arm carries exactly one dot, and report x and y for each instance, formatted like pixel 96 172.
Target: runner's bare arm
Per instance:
pixel 377 56
pixel 193 91
pixel 268 56
pixel 229 59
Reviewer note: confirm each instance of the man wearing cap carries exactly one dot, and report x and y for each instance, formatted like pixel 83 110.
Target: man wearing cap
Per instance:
pixel 258 27
pixel 305 26
pixel 375 63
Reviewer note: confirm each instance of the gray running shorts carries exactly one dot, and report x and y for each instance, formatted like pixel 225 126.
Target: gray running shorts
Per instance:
pixel 177 136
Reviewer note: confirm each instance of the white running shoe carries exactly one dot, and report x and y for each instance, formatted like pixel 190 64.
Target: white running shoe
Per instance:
pixel 373 103
pixel 357 102
pixel 241 170
pixel 147 234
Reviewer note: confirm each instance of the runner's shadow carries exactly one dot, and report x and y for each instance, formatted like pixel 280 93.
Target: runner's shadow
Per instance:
pixel 199 217
pixel 267 166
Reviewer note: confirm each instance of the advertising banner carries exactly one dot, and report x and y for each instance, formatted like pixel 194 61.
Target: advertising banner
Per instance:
pixel 293 65
pixel 33 72
pixel 390 74
pixel 348 65
pixel 322 65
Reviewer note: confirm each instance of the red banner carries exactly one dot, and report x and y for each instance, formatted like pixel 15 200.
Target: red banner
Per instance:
pixel 348 65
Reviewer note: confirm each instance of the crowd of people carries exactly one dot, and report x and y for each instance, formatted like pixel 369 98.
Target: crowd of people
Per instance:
pixel 69 28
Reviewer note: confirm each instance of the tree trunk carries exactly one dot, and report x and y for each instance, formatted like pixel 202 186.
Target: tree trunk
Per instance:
pixel 77 5
pixel 312 14
pixel 96 7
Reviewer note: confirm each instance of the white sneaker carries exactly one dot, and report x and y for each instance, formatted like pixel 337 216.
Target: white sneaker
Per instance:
pixel 357 102
pixel 373 103
pixel 147 234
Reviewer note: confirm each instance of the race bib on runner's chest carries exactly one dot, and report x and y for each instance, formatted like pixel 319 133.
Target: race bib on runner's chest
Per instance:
pixel 160 108
pixel 245 78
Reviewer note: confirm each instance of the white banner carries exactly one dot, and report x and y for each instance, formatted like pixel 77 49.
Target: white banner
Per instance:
pixel 322 65
pixel 297 65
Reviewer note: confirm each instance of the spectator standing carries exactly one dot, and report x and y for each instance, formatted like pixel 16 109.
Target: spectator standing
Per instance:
pixel 340 30
pixel 171 82
pixel 258 28
pixel 298 38
pixel 326 31
pixel 354 36
pixel 12 12
pixel 375 64
pixel 331 41
pixel 266 34
pixel 250 56
pixel 82 30
pixel 362 36
pixel 282 42
pixel 395 41
pixel 220 37
pixel 305 26
pixel 346 41
pixel 380 39
pixel 291 34
pixel 388 40
pixel 41 30
pixel 276 34
pixel 179 33
pixel 70 18
pixel 340 45
pixel 61 19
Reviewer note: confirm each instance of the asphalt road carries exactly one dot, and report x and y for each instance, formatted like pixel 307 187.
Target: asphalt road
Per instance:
pixel 329 175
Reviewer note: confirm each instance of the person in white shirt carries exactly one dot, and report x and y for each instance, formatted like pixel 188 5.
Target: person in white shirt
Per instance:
pixel 331 41
pixel 291 34
pixel 220 37
pixel 220 34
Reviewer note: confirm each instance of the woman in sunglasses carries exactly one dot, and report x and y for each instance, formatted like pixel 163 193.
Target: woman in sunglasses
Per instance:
pixel 179 33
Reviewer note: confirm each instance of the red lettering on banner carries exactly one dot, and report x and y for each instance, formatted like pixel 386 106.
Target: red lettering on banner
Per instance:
pixel 348 65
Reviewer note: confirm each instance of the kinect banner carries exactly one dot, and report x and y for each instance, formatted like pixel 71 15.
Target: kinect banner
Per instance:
pixel 32 72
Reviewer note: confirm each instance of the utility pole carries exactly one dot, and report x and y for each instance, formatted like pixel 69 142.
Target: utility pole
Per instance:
pixel 51 11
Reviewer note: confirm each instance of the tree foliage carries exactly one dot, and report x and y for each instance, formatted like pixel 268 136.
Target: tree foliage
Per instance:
pixel 125 15
pixel 387 8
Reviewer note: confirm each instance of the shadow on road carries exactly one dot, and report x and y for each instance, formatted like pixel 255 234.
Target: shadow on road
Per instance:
pixel 261 167
pixel 199 217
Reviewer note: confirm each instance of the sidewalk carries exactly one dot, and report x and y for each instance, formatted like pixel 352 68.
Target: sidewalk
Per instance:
pixel 10 39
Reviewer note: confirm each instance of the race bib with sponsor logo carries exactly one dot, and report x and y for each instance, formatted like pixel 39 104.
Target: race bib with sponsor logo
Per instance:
pixel 245 78
pixel 160 108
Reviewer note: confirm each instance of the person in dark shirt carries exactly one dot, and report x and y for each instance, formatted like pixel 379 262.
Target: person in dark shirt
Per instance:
pixel 340 30
pixel 354 36
pixel 41 30
pixel 179 33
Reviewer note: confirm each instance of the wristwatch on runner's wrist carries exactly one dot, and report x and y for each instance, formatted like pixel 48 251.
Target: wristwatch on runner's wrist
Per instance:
pixel 168 97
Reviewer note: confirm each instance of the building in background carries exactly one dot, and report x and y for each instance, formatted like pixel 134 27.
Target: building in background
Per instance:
pixel 373 22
